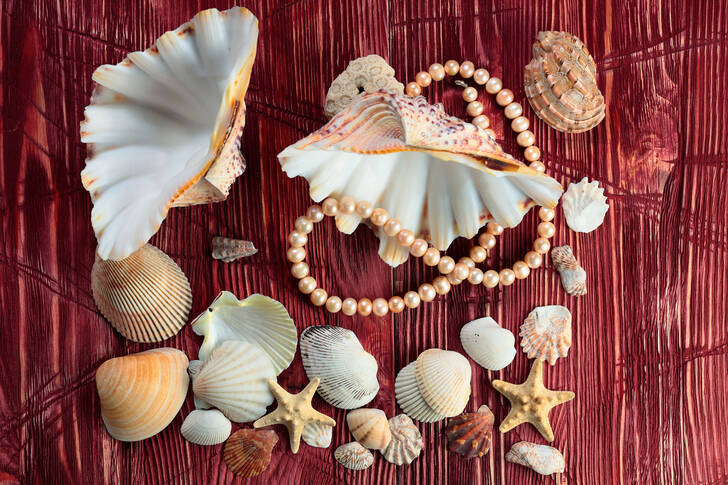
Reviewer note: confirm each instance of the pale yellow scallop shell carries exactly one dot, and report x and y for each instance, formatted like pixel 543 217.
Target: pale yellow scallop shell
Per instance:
pixel 443 378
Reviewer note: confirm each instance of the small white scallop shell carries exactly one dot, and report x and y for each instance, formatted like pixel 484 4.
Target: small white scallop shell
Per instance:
pixel 443 377
pixel 585 205
pixel 409 397
pixel 317 434
pixel 354 456
pixel 573 276
pixel 348 373
pixel 539 458
pixel 546 333
pixel 206 427
pixel 488 344
pixel 406 443
pixel 370 428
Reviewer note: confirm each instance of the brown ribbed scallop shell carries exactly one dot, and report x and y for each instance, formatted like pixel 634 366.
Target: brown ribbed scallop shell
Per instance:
pixel 247 452
pixel 470 434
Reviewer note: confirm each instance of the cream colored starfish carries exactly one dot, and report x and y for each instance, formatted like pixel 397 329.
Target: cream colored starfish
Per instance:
pixel 294 411
pixel 531 402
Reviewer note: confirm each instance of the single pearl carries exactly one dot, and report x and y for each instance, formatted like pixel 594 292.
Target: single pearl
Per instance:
pixel 392 227
pixel 476 276
pixel 519 124
pixel 380 307
pixel 467 69
pixel 423 78
pixel 504 97
pixel 437 71
pixel 525 138
pixel 333 304
pixel 296 239
pixel 532 259
pixel 304 225
pixel 541 245
pixel 494 228
pixel 431 257
pixel 413 89
pixel 481 76
pixel 493 85
pixel 506 277
pixel 319 297
pixel 364 209
pixel 452 67
pixel 478 254
pixel 348 306
pixel 481 121
pixel 330 207
pixel 306 285
pixel 467 262
pixel 490 279
pixel 411 299
pixel 295 255
pixel 538 166
pixel 532 153
pixel 453 280
pixel 315 213
pixel 406 237
pixel 470 94
pixel 521 270
pixel 418 248
pixel 486 240
pixel 474 108
pixel 426 292
pixel 461 271
pixel 364 307
pixel 347 205
pixel 546 229
pixel 299 270
pixel 546 214
pixel 442 285
pixel 379 217
pixel 396 304
pixel 446 264
pixel 513 110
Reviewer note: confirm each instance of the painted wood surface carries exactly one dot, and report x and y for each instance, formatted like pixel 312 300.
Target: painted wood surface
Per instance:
pixel 650 354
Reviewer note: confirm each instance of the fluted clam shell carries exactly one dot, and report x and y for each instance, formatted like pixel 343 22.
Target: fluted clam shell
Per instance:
pixel 354 456
pixel 443 378
pixel 146 297
pixel 257 319
pixel 248 451
pixel 348 373
pixel 235 381
pixel 140 394
pixel 488 344
pixel 228 250
pixel 542 459
pixel 406 443
pixel 471 434
pixel 584 205
pixel 409 398
pixel 573 276
pixel 317 435
pixel 546 333
pixel 369 427
pixel 206 427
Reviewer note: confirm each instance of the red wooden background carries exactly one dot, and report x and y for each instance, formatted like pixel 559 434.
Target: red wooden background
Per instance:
pixel 649 359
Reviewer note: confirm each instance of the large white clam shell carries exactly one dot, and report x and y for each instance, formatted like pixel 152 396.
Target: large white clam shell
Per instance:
pixel 488 344
pixel 348 373
pixel 235 380
pixel 257 319
pixel 206 427
pixel 409 398
pixel 546 333
pixel 406 443
pixel 440 176
pixel 443 377
pixel 164 125
pixel 354 456
pixel 317 434
pixel 585 205
pixel 370 428
pixel 542 459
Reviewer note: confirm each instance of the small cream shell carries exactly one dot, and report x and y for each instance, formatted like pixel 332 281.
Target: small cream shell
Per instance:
pixel 584 205
pixel 443 378
pixel 488 344
pixel 573 276
pixel 409 397
pixel 546 333
pixel 317 435
pixel 354 456
pixel 369 427
pixel 542 459
pixel 406 443
pixel 206 428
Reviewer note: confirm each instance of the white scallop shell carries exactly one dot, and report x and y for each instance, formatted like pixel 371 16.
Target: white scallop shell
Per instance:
pixel 573 276
pixel 443 378
pixel 488 344
pixel 585 205
pixel 546 333
pixel 235 380
pixel 206 428
pixel 354 456
pixel 406 443
pixel 369 427
pixel 257 319
pixel 410 399
pixel 317 434
pixel 348 373
pixel 542 459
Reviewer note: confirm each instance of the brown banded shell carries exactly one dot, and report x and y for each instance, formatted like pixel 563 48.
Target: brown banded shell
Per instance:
pixel 370 428
pixel 247 452
pixel 354 456
pixel 228 250
pixel 470 434
pixel 561 84
pixel 573 276
pixel 406 443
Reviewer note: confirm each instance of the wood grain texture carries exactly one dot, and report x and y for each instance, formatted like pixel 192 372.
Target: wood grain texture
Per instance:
pixel 650 354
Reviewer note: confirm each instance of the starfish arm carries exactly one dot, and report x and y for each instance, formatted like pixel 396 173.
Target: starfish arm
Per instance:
pixel 310 389
pixel 536 373
pixel 277 391
pixel 564 396
pixel 511 421
pixel 321 418
pixel 294 436
pixel 505 388
pixel 267 420
pixel 543 425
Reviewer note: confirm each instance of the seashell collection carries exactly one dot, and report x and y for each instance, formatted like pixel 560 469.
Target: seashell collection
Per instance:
pixel 543 459
pixel 229 250
pixel 573 276
pixel 488 344
pixel 546 333
pixel 585 205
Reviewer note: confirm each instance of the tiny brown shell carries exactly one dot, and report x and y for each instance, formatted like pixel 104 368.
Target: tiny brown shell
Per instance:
pixel 470 434
pixel 247 452
pixel 228 250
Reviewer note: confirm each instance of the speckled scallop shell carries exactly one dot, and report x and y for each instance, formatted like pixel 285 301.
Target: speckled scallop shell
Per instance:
pixel 471 434
pixel 354 456
pixel 366 74
pixel 369 427
pixel 542 459
pixel 248 451
pixel 457 176
pixel 146 297
pixel 228 250
pixel 443 378
pixel 164 126
pixel 584 205
pixel 409 397
pixel 348 373
pixel 488 344
pixel 561 84
pixel 140 394
pixel 317 434
pixel 546 333
pixel 206 427
pixel 406 443
pixel 573 276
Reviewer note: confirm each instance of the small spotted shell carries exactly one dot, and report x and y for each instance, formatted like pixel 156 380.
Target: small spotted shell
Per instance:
pixel 354 456
pixel 546 333
pixel 573 276
pixel 228 250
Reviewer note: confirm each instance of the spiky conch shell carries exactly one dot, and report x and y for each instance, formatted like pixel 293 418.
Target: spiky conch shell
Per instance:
pixel 488 344
pixel 369 427
pixel 317 435
pixel 354 456
pixel 457 176
pixel 406 443
pixel 471 434
pixel 584 205
pixel 443 378
pixel 206 427
pixel 146 297
pixel 573 276
pixel 247 452
pixel 140 394
pixel 546 333
pixel 229 250
pixel 542 459
pixel 164 127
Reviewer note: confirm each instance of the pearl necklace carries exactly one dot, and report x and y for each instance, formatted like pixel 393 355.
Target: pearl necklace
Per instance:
pixel 451 273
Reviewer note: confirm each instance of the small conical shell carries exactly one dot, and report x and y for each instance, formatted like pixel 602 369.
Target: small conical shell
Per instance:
pixel 146 297
pixel 409 397
pixel 354 456
pixel 248 451
pixel 542 459
pixel 206 428
pixel 471 434
pixel 317 434
pixel 370 428
pixel 546 333
pixel 406 443
pixel 140 394
pixel 235 380
pixel 584 205
pixel 443 377
pixel 488 344
pixel 228 250
pixel 573 276
pixel 348 373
